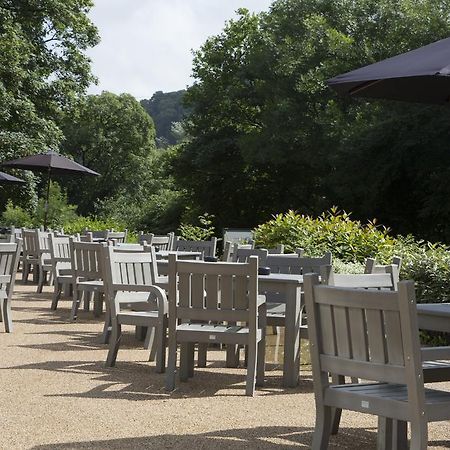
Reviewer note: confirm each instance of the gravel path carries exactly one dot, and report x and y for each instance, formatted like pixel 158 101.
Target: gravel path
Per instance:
pixel 55 393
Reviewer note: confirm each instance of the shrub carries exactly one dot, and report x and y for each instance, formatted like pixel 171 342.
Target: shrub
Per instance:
pixel 80 224
pixel 201 232
pixel 16 216
pixel 351 242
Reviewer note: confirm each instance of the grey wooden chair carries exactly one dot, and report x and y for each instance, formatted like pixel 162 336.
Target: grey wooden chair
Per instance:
pixel 30 255
pixel 87 274
pixel 133 299
pixel 229 248
pixel 241 254
pixel 44 258
pixel 9 258
pixel 61 262
pixel 163 242
pixel 387 278
pixel 207 248
pixel 370 335
pixel 87 237
pixel 206 301
pixel 372 266
pixel 277 250
pixel 117 236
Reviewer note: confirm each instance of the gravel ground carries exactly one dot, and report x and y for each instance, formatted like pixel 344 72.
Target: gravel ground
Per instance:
pixel 55 393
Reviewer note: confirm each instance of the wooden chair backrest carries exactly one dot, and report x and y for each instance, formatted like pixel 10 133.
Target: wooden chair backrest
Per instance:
pixel 30 243
pixel 9 258
pixel 163 242
pixel 98 234
pixel 87 237
pixel 296 264
pixel 242 255
pixel 216 291
pixel 87 259
pixel 372 266
pixel 127 272
pixel 60 253
pixel 277 250
pixel 118 236
pixel 365 334
pixel 382 280
pixel 207 248
pixel 229 248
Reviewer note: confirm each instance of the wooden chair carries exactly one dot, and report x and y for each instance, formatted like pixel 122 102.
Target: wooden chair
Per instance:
pixel 87 237
pixel 129 280
pixel 202 298
pixel 9 259
pixel 388 278
pixel 277 250
pixel 87 275
pixel 44 259
pixel 228 249
pixel 61 262
pixel 163 242
pixel 371 265
pixel 370 335
pixel 30 255
pixel 207 248
pixel 117 236
pixel 241 254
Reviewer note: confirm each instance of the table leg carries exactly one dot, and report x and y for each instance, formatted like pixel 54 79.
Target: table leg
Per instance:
pixel 291 363
pixel 392 434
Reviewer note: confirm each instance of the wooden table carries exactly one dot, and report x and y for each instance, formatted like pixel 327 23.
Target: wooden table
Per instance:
pixel 291 287
pixel 434 316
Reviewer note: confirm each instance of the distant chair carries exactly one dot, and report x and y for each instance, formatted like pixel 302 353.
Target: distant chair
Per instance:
pixel 129 281
pixel 229 248
pixel 243 254
pixel 87 237
pixel 371 335
pixel 206 303
pixel 87 273
pixel 61 262
pixel 206 248
pixel 163 242
pixel 9 259
pixel 44 261
pixel 278 249
pixel 373 267
pixel 117 236
pixel 30 255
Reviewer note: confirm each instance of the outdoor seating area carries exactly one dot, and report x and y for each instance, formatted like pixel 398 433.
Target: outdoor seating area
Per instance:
pixel 183 337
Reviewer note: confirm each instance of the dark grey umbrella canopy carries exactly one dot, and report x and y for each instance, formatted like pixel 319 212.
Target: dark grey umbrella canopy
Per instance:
pixel 6 178
pixel 421 75
pixel 57 163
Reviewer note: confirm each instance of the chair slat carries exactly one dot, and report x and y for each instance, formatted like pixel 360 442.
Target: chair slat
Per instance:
pixel 393 333
pixel 375 334
pixel 358 333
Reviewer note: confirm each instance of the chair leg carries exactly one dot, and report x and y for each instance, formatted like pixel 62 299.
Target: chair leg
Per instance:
pixel 232 358
pixel 184 361
pixel 336 412
pixel 419 435
pixel 56 295
pixel 106 326
pixel 114 344
pixel 75 304
pixel 150 342
pixel 98 304
pixel 392 434
pixel 251 369
pixel 202 354
pixel 7 318
pixel 323 428
pixel 161 348
pixel 25 271
pixel 172 362
pixel 88 297
pixel 40 280
pixel 261 361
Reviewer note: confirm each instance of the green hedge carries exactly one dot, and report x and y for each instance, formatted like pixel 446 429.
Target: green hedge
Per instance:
pixel 351 242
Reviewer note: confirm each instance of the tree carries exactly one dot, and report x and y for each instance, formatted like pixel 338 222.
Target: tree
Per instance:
pixel 43 68
pixel 113 135
pixel 268 135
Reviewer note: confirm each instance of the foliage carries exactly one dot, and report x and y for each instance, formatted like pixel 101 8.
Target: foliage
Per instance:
pixel 268 135
pixel 201 232
pixel 81 224
pixel 166 109
pixel 43 68
pixel 351 242
pixel 113 135
pixel 16 216
pixel 59 210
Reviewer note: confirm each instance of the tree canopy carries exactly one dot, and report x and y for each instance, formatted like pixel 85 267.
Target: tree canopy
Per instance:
pixel 268 135
pixel 113 135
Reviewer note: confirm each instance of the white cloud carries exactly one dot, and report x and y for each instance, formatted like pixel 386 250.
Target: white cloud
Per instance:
pixel 146 44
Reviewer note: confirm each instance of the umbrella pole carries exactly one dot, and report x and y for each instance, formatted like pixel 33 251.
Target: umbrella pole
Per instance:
pixel 46 198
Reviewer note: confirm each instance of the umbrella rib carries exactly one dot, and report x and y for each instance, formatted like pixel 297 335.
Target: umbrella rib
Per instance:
pixel 362 87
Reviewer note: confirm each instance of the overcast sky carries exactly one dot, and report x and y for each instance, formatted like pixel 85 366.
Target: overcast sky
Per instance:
pixel 146 44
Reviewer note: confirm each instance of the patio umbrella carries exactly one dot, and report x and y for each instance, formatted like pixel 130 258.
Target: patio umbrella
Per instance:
pixel 6 178
pixel 421 75
pixel 52 163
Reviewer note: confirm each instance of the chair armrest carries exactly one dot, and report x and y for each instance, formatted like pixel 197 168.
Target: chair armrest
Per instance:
pixel 434 353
